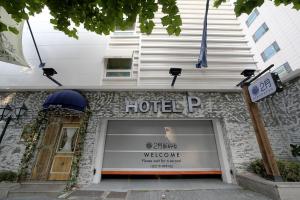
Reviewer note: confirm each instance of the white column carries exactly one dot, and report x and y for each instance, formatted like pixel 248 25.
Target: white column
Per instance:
pixel 222 152
pixel 100 143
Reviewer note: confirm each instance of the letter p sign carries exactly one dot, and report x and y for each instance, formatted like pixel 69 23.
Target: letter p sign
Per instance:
pixel 192 103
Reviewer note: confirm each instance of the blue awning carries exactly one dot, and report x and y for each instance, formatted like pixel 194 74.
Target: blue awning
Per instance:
pixel 68 99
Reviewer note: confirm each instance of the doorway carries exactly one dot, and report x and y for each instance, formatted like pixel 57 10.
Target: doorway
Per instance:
pixel 56 149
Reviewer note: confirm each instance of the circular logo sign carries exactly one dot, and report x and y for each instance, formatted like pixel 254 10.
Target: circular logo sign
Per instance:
pixel 255 90
pixel 149 145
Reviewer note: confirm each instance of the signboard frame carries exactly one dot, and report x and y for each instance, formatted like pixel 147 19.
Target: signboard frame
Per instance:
pixel 262 87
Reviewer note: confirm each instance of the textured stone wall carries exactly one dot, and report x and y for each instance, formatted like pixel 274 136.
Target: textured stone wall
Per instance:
pixel 282 118
pixel 229 108
pixel 11 147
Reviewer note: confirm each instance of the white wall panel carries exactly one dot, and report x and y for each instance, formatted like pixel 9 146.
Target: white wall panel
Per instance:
pixel 78 62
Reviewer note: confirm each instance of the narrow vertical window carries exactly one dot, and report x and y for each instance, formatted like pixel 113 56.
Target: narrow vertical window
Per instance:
pixel 252 17
pixel 260 32
pixel 270 51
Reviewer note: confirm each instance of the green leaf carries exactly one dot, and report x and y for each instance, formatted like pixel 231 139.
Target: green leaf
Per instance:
pixel 13 30
pixel 177 31
pixel 171 30
pixel 98 16
pixel 166 20
pixel 177 21
pixel 296 4
pixel 3 27
pixel 217 3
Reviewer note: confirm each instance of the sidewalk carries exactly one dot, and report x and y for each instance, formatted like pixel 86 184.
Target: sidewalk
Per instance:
pixel 214 194
pixel 193 189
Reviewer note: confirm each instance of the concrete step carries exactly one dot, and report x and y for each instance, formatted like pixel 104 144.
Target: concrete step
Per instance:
pixel 116 196
pixel 42 187
pixel 5 187
pixel 38 189
pixel 88 195
pixel 97 195
pixel 32 195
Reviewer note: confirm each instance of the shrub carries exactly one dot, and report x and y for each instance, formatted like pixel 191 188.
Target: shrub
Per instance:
pixel 8 176
pixel 289 170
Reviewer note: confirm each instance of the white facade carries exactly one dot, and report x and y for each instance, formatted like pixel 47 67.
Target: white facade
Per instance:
pixel 283 23
pixel 78 62
pixel 81 63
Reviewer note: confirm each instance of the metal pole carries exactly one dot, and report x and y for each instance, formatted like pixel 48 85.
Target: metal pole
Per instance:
pixel 42 64
pixel 5 127
pixel 55 81
pixel 173 81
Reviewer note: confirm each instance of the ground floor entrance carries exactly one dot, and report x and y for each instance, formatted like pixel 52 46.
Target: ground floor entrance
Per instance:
pixel 56 149
pixel 162 149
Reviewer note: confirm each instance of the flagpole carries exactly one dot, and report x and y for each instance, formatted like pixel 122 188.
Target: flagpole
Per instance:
pixel 202 60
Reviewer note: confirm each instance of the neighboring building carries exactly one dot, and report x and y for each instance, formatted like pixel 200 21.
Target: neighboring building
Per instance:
pixel 273 34
pixel 139 124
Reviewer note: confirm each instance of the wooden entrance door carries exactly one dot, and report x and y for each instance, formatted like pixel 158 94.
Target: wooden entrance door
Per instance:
pixel 46 150
pixel 56 151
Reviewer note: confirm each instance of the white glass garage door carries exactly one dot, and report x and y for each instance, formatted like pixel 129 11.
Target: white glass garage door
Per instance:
pixel 160 147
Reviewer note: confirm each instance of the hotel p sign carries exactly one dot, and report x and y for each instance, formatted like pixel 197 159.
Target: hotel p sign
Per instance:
pixel 164 106
pixel 262 87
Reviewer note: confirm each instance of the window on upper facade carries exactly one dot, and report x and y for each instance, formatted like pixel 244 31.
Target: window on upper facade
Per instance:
pixel 283 69
pixel 118 67
pixel 252 17
pixel 260 32
pixel 270 51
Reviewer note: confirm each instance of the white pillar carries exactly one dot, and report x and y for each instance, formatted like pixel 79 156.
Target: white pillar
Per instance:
pixel 226 176
pixel 100 143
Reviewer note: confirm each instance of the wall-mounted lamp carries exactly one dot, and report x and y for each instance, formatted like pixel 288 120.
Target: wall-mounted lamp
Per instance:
pixel 248 72
pixel 49 72
pixel 175 72
pixel 20 111
pixel 8 113
pixel 4 112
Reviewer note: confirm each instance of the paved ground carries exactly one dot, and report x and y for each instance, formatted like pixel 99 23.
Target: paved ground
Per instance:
pixel 177 189
pixel 215 194
pixel 159 184
pixel 219 194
